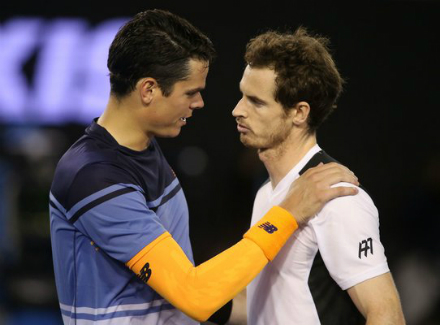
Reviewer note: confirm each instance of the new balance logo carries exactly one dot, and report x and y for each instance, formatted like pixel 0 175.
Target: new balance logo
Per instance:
pixel 365 246
pixel 145 273
pixel 270 228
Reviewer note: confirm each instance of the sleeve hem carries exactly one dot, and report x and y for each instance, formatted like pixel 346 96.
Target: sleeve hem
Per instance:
pixel 146 249
pixel 371 273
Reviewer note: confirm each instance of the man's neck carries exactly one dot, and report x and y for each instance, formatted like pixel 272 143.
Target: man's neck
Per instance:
pixel 121 121
pixel 280 160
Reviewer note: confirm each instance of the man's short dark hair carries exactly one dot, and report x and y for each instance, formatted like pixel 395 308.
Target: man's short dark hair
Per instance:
pixel 304 67
pixel 158 44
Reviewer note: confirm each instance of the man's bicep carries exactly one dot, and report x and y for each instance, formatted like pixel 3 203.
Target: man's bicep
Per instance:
pixel 348 237
pixel 377 297
pixel 120 225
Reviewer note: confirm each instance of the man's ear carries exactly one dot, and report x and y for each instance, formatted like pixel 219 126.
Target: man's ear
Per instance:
pixel 300 113
pixel 148 88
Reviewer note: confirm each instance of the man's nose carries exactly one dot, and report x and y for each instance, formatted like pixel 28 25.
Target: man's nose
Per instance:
pixel 239 109
pixel 198 102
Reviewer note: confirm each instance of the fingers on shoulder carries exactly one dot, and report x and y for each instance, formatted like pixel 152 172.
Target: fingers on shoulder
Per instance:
pixel 340 191
pixel 329 168
pixel 330 174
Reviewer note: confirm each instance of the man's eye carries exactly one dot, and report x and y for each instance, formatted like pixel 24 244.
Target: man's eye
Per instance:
pixel 256 102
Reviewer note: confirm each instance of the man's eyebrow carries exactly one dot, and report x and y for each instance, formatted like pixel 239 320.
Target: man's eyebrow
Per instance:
pixel 256 99
pixel 195 90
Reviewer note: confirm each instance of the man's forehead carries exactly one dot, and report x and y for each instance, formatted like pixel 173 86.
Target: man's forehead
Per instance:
pixel 265 72
pixel 196 80
pixel 258 79
pixel 198 66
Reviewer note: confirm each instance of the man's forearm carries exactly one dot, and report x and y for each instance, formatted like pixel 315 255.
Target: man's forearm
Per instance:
pixel 393 316
pixel 378 301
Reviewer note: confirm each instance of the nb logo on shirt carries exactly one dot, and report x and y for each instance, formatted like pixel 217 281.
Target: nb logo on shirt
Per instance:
pixel 268 227
pixel 365 246
pixel 145 273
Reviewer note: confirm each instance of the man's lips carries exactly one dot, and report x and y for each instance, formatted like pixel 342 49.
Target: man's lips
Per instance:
pixel 242 128
pixel 184 118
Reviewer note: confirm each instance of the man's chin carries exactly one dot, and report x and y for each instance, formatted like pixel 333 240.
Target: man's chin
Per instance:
pixel 170 134
pixel 247 143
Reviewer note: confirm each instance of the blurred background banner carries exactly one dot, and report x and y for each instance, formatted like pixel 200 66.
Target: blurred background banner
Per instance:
pixel 54 81
pixel 53 71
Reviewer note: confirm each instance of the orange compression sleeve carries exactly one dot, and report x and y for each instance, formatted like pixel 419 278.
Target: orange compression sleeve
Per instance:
pixel 200 291
pixel 276 221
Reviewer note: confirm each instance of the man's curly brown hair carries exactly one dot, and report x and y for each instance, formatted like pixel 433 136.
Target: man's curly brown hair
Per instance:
pixel 304 67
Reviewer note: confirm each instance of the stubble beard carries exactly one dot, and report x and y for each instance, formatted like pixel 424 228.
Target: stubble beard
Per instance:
pixel 275 144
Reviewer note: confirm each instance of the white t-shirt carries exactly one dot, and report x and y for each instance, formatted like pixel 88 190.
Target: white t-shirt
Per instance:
pixel 346 233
